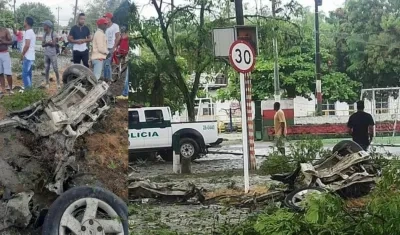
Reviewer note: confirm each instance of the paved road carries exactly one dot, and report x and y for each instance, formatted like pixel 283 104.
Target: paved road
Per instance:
pixel 263 148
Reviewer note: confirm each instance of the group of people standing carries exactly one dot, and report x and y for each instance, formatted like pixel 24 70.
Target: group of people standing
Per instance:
pixel 107 42
pixel 27 49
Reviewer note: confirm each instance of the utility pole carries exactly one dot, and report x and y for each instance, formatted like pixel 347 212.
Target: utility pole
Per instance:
pixel 318 60
pixel 239 12
pixel 277 88
pixel 76 9
pixel 58 20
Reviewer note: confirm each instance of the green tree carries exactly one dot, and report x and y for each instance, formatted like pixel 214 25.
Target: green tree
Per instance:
pixel 122 13
pixel 38 11
pixel 370 30
pixel 296 63
pixel 7 18
pixel 188 53
pixel 95 9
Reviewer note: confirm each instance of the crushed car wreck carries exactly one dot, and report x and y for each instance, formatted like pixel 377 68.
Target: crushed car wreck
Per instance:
pixel 39 164
pixel 347 171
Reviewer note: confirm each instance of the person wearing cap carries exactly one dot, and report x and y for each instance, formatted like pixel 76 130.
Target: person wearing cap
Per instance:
pixel 80 36
pixel 113 37
pixel 49 43
pixel 99 49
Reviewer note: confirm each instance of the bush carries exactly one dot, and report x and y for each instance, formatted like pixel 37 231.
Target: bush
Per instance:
pixel 19 101
pixel 307 150
pixel 276 163
pixel 328 214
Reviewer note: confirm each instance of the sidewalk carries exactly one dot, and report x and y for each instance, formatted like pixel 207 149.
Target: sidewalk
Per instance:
pixel 231 137
pixel 378 141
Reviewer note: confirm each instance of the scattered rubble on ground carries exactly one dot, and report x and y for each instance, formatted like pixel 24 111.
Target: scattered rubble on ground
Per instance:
pixel 348 171
pixel 41 153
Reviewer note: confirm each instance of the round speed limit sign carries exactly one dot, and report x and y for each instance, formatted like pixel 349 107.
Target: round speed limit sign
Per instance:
pixel 242 56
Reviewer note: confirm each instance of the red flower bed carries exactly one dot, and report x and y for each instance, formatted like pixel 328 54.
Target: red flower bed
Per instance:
pixel 321 129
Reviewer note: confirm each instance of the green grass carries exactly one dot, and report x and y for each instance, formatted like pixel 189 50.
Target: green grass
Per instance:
pixel 20 101
pixel 387 140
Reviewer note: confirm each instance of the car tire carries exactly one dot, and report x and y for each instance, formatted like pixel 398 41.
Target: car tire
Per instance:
pixel 192 149
pixel 63 204
pixel 291 197
pixel 346 147
pixel 75 71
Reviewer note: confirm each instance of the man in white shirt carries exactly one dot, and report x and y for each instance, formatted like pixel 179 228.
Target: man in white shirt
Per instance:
pixel 28 52
pixel 113 37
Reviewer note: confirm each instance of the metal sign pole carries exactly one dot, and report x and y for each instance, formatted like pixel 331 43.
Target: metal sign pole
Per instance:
pixel 242 58
pixel 245 138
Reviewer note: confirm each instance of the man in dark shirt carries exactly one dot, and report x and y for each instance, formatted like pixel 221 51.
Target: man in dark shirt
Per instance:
pixel 361 126
pixel 80 36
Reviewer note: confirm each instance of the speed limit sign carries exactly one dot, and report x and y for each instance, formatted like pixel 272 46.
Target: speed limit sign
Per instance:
pixel 242 56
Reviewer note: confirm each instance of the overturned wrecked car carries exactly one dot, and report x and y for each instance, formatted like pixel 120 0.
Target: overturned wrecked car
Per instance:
pixel 40 188
pixel 348 171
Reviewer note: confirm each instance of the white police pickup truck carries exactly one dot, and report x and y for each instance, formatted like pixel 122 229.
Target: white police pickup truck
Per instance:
pixel 151 131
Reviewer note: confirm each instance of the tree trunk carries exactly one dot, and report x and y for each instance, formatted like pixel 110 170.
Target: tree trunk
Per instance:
pixel 190 110
pixel 157 93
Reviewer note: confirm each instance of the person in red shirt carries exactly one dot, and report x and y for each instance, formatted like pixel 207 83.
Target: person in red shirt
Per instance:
pixel 123 47
pixel 20 37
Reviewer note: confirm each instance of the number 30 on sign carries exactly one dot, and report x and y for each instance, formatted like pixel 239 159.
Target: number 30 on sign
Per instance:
pixel 242 56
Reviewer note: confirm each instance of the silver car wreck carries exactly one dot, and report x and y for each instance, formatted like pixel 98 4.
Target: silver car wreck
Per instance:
pixel 348 171
pixel 38 163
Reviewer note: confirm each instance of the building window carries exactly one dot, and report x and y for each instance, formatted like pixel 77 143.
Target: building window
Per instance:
pixel 381 106
pixel 208 110
pixel 328 109
pixel 352 109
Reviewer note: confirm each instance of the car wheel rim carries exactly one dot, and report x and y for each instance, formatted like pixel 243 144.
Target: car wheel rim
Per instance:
pixel 187 150
pixel 90 216
pixel 300 196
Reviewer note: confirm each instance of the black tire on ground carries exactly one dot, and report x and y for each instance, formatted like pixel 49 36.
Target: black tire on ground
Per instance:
pixel 75 71
pixel 356 190
pixel 346 147
pixel 192 144
pixel 134 157
pixel 53 218
pixel 167 155
pixel 290 197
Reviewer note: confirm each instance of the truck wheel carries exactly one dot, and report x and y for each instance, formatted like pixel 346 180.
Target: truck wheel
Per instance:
pixel 90 209
pixel 189 148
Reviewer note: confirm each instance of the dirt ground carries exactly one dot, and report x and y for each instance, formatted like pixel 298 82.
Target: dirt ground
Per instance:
pixel 108 151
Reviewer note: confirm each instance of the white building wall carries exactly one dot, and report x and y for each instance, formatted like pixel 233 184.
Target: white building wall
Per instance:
pixel 304 111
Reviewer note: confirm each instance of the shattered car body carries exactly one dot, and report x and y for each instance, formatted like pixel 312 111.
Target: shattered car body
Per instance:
pixel 37 160
pixel 339 172
pixel 348 172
